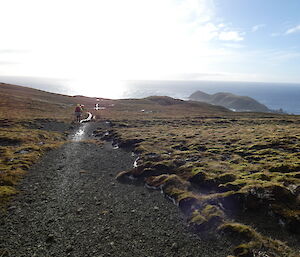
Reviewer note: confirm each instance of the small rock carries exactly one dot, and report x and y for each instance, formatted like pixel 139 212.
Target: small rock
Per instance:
pixel 174 246
pixel 79 210
pixel 83 172
pixel 28 200
pixel 23 152
pixel 11 208
pixel 69 248
pixel 50 239
pixel 51 220
pixel 156 208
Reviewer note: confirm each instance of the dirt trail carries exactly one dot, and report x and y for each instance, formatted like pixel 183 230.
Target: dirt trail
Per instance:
pixel 71 205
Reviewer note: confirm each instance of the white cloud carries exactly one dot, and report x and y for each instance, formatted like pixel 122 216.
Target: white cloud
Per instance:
pixel 230 36
pixel 234 45
pixel 100 42
pixel 257 27
pixel 293 30
pixel 199 11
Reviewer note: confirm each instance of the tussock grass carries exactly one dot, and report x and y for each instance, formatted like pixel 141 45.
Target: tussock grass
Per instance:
pixel 22 140
pixel 211 162
pixel 227 162
pixel 21 147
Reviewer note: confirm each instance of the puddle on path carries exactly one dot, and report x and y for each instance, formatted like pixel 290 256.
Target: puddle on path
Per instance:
pixel 80 133
pixel 135 164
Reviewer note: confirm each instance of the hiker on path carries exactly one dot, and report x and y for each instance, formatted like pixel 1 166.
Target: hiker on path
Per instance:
pixel 78 112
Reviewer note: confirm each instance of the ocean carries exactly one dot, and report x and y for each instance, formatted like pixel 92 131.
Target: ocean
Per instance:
pixel 274 95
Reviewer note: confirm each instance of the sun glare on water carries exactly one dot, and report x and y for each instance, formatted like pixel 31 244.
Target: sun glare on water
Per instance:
pixel 104 88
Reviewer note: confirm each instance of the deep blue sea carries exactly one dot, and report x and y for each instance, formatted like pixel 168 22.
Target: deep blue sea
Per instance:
pixel 274 95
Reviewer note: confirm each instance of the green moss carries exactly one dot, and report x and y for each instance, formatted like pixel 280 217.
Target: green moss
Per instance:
pixel 225 177
pixel 285 168
pixel 197 219
pixel 21 147
pixel 242 231
pixel 260 176
pixel 231 166
pixel 7 191
pixel 254 241
pixel 212 211
pixel 247 249
pixel 167 181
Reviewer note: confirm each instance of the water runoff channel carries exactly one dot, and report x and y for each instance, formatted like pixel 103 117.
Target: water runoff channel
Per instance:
pixel 80 135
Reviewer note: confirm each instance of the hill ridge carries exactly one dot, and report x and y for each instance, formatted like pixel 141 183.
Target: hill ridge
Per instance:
pixel 230 100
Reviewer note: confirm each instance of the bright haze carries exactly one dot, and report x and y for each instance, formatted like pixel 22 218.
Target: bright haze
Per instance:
pixel 89 47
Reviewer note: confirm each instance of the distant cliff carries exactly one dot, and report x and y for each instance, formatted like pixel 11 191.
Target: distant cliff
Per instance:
pixel 230 101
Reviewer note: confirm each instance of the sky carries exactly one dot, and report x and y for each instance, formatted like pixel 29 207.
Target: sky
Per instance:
pixel 91 46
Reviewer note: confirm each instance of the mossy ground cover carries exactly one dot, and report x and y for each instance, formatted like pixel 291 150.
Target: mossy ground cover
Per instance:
pixel 20 147
pixel 22 137
pixel 213 163
pixel 31 122
pixel 217 166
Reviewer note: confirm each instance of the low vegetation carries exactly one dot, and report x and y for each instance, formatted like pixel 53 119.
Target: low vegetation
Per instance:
pixel 217 168
pixel 229 173
pixel 23 138
pixel 231 101
pixel 31 122
pixel 20 147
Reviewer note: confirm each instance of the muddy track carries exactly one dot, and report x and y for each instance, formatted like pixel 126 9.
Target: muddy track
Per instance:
pixel 71 205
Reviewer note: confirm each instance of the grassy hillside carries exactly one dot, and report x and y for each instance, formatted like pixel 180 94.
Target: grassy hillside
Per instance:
pixel 157 106
pixel 235 174
pixel 231 101
pixel 28 118
pixel 18 102
pixel 229 173
pixel 25 115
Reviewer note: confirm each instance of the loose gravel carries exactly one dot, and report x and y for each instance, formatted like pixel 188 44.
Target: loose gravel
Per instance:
pixel 71 205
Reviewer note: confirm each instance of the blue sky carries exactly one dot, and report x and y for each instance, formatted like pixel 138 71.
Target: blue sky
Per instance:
pixel 272 18
pixel 95 44
pixel 271 35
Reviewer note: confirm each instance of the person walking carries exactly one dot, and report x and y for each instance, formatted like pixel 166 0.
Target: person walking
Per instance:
pixel 78 112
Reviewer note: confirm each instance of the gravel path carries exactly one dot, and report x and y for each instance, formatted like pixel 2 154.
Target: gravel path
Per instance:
pixel 71 205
